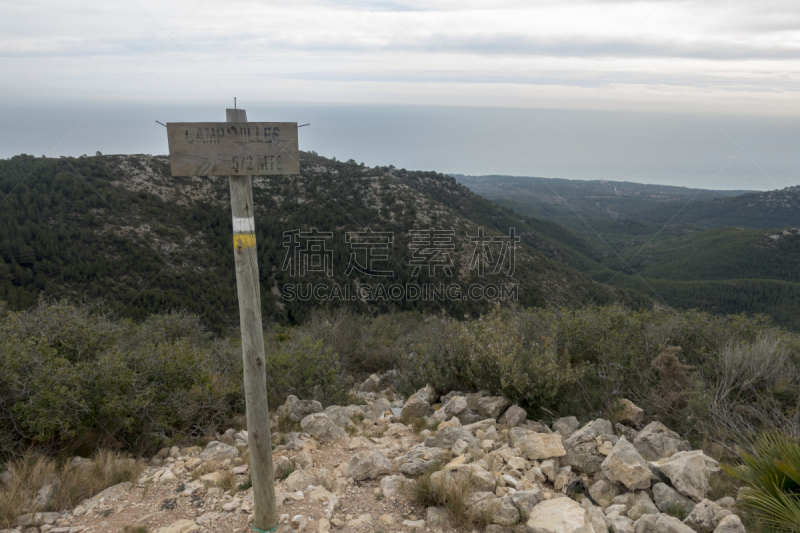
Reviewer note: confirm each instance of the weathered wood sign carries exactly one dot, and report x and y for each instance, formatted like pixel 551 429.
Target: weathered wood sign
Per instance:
pixel 241 149
pixel 233 148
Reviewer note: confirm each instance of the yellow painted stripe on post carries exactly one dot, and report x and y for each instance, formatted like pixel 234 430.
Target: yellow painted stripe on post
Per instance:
pixel 244 240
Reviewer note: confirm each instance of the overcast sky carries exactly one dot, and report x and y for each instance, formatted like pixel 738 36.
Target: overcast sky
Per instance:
pixel 696 57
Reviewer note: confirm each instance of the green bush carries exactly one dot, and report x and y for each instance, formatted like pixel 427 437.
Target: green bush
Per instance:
pixel 71 377
pixel 559 362
pixel 771 474
pixel 491 353
pixel 306 368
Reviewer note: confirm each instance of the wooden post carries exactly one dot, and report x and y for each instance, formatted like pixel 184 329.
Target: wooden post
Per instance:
pixel 259 439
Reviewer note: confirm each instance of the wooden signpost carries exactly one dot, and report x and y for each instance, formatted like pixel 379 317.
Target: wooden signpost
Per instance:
pixel 240 149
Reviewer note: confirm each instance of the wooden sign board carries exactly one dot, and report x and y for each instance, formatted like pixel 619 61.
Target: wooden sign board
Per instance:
pixel 233 148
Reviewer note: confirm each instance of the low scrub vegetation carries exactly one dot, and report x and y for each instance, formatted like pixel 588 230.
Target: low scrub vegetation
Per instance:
pixel 73 377
pixel 719 378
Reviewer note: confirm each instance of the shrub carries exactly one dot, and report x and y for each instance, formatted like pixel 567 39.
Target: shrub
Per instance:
pixel 70 378
pixel 559 362
pixel 297 364
pixel 771 473
pixel 490 353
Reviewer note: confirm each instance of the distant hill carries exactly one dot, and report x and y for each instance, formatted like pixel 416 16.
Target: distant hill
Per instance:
pixel 687 248
pixel 121 229
pixel 569 201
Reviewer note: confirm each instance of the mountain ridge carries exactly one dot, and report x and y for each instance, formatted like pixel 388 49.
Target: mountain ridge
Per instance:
pixel 120 228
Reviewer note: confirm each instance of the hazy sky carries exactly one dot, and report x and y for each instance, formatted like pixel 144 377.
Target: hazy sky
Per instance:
pixel 700 59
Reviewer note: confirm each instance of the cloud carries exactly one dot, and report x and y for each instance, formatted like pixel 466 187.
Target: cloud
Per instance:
pixel 612 53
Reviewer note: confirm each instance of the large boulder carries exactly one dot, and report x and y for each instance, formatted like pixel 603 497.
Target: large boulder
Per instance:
pixel 625 465
pixel 447 436
pixel 115 492
pixel 669 500
pixel 415 407
pixel 427 393
pixel 644 505
pixel 217 451
pixel 514 416
pixel 670 524
pixel 321 427
pixel 469 417
pixel 446 398
pixel 701 519
pixel 656 441
pixel 339 415
pixel 454 407
pixel 44 497
pixel 35 519
pixel 419 459
pixel 689 472
pixel 299 480
pixel 296 409
pixel 181 526
pixel 537 446
pixel 492 406
pixel 438 517
pixel 380 407
pixel 583 446
pixel 481 479
pixel 392 486
pixel 603 492
pixel 367 465
pixel 646 524
pixel 599 521
pixel 566 426
pixel 526 500
pixel 629 413
pixel 559 515
pixel 730 524
pixel 621 524
pixel 501 511
pixel 371 384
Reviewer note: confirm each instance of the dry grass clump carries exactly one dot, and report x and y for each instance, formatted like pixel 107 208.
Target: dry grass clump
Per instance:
pixel 756 389
pixel 227 481
pixel 203 469
pixel 452 494
pixel 134 529
pixel 71 484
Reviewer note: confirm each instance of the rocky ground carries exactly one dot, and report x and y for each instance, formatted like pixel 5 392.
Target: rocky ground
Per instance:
pixel 350 468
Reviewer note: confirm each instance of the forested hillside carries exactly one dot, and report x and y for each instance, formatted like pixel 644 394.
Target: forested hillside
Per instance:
pixel 120 229
pixel 672 243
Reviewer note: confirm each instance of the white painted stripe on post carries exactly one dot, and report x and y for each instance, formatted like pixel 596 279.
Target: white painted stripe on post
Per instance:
pixel 244 225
